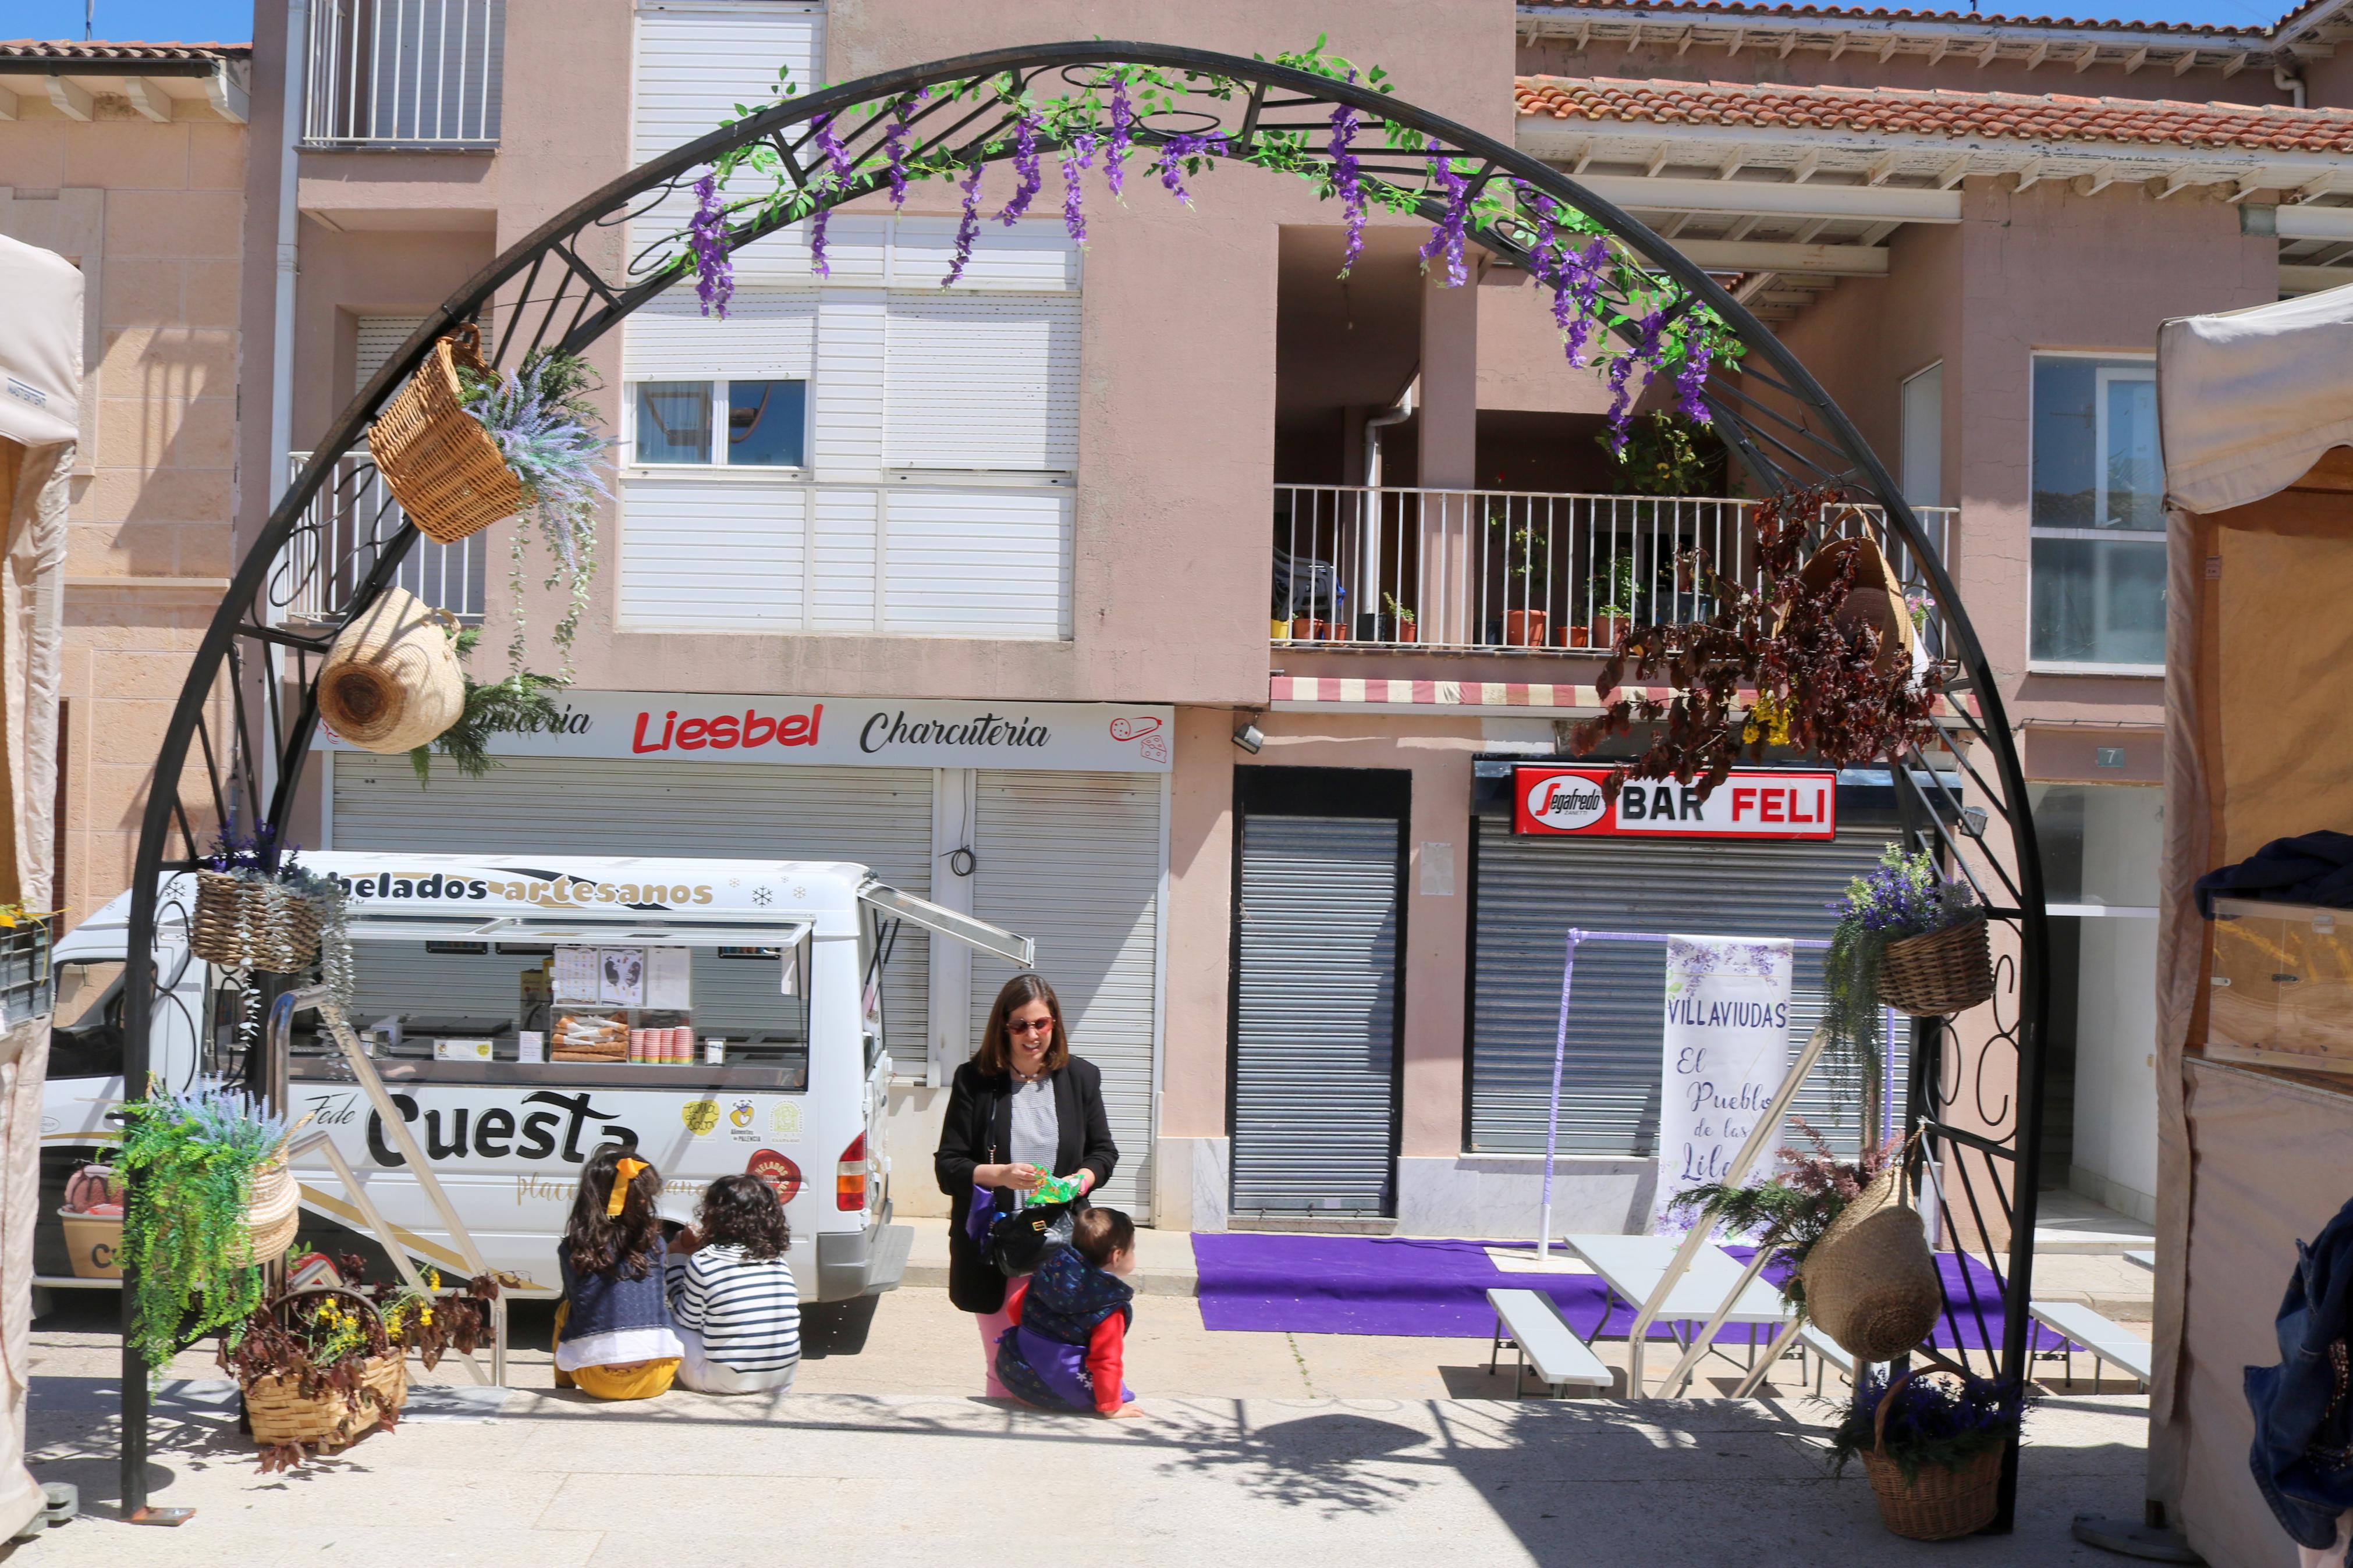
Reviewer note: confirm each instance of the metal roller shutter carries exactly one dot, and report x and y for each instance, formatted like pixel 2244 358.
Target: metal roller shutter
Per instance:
pixel 1072 861
pixel 378 337
pixel 982 382
pixel 1314 1114
pixel 1531 891
pixel 878 817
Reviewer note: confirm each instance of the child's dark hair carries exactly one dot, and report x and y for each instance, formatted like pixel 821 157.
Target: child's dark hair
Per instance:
pixel 594 1241
pixel 743 1211
pixel 1100 1234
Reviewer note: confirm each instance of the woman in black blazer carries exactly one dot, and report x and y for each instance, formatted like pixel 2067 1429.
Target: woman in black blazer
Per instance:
pixel 1023 1109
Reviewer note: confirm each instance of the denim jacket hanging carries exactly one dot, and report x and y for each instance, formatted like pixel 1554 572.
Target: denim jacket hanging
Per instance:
pixel 2302 1451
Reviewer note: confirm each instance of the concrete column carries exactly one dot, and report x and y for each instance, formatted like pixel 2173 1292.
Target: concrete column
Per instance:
pixel 1453 561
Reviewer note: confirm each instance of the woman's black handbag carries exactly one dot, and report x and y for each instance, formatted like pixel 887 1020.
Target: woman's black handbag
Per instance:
pixel 1018 1242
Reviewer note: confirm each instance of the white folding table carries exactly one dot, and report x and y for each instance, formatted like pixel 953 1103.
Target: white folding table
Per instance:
pixel 1713 1288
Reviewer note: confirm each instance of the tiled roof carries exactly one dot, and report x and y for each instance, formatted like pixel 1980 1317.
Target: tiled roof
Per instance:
pixel 102 54
pixel 1861 13
pixel 1908 111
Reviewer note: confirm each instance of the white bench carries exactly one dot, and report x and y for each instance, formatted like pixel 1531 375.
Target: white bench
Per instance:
pixel 2145 1257
pixel 1532 1321
pixel 2106 1342
pixel 1826 1351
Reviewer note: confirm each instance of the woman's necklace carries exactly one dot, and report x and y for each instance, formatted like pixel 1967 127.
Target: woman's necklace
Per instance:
pixel 1020 1077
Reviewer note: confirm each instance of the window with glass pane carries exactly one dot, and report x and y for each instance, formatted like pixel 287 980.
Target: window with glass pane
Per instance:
pixel 673 422
pixel 765 420
pixel 2098 518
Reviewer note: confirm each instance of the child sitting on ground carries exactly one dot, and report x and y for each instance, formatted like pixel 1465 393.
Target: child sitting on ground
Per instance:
pixel 730 1292
pixel 613 1338
pixel 1067 1347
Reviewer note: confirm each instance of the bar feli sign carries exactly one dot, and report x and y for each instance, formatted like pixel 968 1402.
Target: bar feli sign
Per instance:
pixel 1751 804
pixel 869 732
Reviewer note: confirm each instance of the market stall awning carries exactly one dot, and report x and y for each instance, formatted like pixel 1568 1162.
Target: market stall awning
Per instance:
pixel 41 345
pixel 2252 398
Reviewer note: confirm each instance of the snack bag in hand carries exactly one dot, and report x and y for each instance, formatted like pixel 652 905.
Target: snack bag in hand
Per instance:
pixel 1055 1190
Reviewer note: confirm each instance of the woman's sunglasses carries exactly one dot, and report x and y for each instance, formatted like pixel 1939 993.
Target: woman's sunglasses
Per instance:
pixel 1030 1026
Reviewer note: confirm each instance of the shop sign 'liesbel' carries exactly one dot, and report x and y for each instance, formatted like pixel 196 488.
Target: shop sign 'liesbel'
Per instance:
pixel 784 730
pixel 1750 803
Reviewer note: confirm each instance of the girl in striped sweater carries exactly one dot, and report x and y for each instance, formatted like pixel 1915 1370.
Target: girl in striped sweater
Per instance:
pixel 732 1295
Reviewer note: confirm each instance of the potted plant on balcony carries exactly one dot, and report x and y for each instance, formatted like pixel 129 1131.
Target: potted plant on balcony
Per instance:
pixel 1525 563
pixel 1932 1445
pixel 1612 592
pixel 1396 623
pixel 1663 453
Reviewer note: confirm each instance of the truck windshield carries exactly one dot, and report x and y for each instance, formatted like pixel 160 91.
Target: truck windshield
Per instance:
pixel 650 1005
pixel 88 1039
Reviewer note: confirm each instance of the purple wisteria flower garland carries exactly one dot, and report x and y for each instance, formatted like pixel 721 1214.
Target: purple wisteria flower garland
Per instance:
pixel 1347 179
pixel 1031 179
pixel 714 271
pixel 1593 290
pixel 836 163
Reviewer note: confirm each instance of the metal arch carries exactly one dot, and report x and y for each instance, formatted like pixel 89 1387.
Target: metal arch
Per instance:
pixel 1784 427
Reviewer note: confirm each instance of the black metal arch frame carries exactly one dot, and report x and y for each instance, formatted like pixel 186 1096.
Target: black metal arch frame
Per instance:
pixel 575 280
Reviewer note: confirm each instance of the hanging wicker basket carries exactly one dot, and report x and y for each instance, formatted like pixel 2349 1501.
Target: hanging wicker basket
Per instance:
pixel 391 682
pixel 329 1418
pixel 243 922
pixel 1874 599
pixel 1944 972
pixel 1938 1503
pixel 443 469
pixel 273 1211
pixel 1871 1281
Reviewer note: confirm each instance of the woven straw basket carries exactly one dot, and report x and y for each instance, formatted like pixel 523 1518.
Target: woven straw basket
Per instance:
pixel 243 923
pixel 281 1413
pixel 1871 1281
pixel 444 469
pixel 272 1211
pixel 391 682
pixel 1937 1504
pixel 1944 972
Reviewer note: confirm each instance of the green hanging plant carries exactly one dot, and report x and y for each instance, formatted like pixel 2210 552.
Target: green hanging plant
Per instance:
pixel 519 703
pixel 1904 896
pixel 190 1159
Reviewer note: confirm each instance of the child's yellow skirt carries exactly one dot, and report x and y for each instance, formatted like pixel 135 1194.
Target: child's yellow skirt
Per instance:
pixel 641 1380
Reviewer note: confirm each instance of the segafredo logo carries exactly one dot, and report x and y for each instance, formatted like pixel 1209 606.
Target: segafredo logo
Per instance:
pixel 1565 802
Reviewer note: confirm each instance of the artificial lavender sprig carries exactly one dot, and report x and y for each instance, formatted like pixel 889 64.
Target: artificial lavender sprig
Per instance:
pixel 1077 157
pixel 1173 154
pixel 1645 354
pixel 1447 236
pixel 706 240
pixel 1031 179
pixel 1347 178
pixel 968 227
pixel 1122 120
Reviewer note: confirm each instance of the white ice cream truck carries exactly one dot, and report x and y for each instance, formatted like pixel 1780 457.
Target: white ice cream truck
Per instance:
pixel 722 1015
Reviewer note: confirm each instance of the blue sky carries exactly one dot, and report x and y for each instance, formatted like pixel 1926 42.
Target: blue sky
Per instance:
pixel 231 21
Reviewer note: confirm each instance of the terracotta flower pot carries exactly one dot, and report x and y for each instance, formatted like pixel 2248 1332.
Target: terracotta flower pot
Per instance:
pixel 1405 631
pixel 1605 630
pixel 1523 628
pixel 1575 636
pixel 1307 629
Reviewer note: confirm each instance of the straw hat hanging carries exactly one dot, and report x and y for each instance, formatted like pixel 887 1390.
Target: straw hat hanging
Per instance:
pixel 391 682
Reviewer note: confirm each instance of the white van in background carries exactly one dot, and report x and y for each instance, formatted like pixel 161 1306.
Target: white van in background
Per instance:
pixel 469 967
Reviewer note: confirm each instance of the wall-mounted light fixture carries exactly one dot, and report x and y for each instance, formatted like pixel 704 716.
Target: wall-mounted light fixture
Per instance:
pixel 1249 737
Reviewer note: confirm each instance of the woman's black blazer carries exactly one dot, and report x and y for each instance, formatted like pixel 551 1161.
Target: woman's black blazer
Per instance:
pixel 978 1131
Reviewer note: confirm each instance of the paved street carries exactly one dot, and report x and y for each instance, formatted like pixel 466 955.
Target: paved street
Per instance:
pixel 1298 1450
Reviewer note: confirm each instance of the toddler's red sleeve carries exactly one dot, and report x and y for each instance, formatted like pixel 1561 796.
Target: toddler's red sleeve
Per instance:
pixel 1106 1358
pixel 1015 1294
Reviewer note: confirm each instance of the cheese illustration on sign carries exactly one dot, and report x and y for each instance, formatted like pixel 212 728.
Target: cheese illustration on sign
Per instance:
pixel 1780 804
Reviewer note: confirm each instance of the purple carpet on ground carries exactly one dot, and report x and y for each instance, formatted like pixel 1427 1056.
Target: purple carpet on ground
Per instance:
pixel 1256 1281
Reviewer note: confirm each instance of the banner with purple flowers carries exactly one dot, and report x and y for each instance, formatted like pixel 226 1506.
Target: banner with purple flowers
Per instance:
pixel 1727 1050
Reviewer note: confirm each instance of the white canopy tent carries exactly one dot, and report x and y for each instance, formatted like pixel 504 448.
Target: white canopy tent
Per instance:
pixel 40 419
pixel 2256 1110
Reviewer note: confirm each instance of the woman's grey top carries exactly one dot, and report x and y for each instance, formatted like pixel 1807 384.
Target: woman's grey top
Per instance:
pixel 1037 1130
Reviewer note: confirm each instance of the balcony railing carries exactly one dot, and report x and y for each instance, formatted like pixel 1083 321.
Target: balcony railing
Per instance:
pixel 347 524
pixel 404 73
pixel 1514 569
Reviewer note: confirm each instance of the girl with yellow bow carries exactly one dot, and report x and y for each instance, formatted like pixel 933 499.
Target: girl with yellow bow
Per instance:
pixel 614 1339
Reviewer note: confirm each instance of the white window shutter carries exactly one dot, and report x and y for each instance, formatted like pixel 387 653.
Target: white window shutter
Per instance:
pixel 768 333
pixel 978 562
pixel 703 554
pixel 379 338
pixel 983 382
